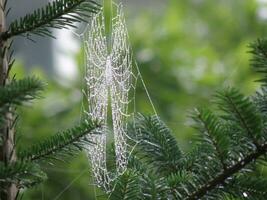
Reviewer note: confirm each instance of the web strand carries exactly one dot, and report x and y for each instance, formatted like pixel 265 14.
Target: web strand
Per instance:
pixel 108 76
pixel 109 82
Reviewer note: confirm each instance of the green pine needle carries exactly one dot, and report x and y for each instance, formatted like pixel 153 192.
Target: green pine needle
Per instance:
pixel 260 99
pixel 57 14
pixel 19 91
pixel 241 111
pixel 62 144
pixel 213 133
pixel 23 174
pixel 127 187
pixel 252 186
pixel 157 145
pixel 215 162
pixel 259 60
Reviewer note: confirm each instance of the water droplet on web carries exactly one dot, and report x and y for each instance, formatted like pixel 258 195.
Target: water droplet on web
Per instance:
pixel 245 194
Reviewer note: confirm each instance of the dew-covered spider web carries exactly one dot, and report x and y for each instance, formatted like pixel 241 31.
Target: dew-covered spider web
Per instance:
pixel 110 85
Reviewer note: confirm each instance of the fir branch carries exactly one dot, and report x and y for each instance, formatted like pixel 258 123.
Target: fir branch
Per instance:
pixel 23 174
pixel 19 91
pixel 259 61
pixel 213 133
pixel 127 187
pixel 175 181
pixel 260 100
pixel 252 185
pixel 136 164
pixel 58 14
pixel 229 172
pixel 157 146
pixel 152 187
pixel 62 144
pixel 242 111
pixel 231 145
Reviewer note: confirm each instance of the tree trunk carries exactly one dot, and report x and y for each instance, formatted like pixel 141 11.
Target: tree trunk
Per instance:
pixel 7 150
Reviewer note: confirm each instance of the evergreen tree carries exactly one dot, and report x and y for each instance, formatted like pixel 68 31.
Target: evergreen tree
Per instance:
pixel 223 164
pixel 20 169
pixel 230 146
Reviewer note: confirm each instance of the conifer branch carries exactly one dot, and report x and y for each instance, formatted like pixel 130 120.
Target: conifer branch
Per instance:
pixel 253 184
pixel 62 144
pixel 23 174
pixel 241 110
pixel 213 133
pixel 58 14
pixel 230 171
pixel 259 60
pixel 127 187
pixel 19 91
pixel 157 144
pixel 218 159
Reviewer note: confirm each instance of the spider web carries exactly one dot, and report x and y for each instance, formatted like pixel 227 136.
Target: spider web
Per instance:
pixel 108 76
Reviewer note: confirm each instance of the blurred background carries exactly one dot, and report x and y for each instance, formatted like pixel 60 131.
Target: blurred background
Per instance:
pixel 186 50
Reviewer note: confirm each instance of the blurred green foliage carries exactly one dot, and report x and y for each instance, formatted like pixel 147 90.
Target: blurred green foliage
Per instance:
pixel 185 51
